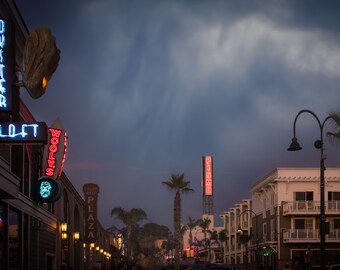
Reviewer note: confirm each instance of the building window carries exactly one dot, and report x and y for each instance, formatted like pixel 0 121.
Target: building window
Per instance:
pixel 272 203
pixel 272 230
pixel 5 152
pixel 333 200
pixel 336 224
pixel 303 224
pixel 65 207
pixel 13 239
pixel 334 196
pixel 3 235
pixel 303 196
pixel 264 207
pixel 17 159
pixel 264 228
pixel 25 183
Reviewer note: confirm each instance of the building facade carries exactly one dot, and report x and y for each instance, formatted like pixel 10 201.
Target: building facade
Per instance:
pixel 283 221
pixel 237 221
pixel 34 235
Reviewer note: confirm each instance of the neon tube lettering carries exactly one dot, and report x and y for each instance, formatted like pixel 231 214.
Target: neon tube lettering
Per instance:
pixel 12 133
pixel 208 175
pixel 55 132
pixel 3 99
pixel 64 155
pixel 53 148
pixel 51 163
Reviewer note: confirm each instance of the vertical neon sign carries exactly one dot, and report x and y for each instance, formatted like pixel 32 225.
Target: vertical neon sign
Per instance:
pixel 6 65
pixel 207 176
pixel 3 90
pixel 52 149
pixel 64 155
pixel 55 150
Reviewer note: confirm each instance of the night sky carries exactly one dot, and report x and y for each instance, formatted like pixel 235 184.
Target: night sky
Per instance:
pixel 146 88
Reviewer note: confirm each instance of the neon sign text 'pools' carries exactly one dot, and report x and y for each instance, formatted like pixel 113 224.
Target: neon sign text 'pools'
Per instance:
pixel 3 98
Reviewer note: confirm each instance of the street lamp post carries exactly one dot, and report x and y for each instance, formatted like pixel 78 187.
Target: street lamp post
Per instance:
pixel 318 144
pixel 257 234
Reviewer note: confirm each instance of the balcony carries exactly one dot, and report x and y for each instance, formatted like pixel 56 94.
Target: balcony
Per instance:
pixel 309 236
pixel 310 208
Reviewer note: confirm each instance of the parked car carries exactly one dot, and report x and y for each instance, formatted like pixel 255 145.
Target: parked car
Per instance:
pixel 334 267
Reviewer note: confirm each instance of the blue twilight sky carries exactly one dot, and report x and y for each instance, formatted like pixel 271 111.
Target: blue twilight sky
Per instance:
pixel 146 88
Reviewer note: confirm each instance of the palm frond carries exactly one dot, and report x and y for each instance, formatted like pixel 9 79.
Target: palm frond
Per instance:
pixel 335 135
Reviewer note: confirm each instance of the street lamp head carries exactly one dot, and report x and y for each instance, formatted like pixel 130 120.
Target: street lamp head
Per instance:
pixel 239 230
pixel 318 144
pixel 294 146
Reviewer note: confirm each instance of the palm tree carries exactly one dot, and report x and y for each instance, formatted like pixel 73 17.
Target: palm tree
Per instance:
pixel 204 224
pixel 178 184
pixel 336 119
pixel 130 219
pixel 222 236
pixel 190 226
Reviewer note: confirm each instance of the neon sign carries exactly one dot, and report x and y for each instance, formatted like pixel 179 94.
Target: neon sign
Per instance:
pixel 207 176
pixel 3 90
pixel 64 155
pixel 23 132
pixel 47 190
pixel 55 150
pixel 6 64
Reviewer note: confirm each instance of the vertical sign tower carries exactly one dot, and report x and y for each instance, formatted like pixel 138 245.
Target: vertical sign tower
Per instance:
pixel 91 196
pixel 207 185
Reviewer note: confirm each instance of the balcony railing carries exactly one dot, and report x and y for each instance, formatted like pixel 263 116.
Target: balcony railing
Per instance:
pixel 300 235
pixel 310 208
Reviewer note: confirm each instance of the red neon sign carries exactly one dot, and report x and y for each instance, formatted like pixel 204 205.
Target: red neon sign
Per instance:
pixel 64 155
pixel 55 150
pixel 208 176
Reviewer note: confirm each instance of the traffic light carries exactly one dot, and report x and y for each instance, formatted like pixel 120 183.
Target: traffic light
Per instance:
pixel 47 190
pixel 267 250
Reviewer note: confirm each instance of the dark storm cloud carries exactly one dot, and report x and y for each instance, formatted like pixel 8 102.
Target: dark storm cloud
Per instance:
pixel 145 88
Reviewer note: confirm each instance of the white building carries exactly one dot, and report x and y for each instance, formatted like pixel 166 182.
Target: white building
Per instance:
pixel 284 215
